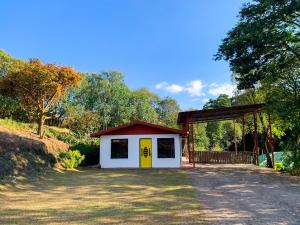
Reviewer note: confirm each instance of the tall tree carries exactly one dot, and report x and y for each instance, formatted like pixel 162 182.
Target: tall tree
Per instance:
pixel 38 87
pixel 263 50
pixel 9 63
pixel 265 40
pixel 168 109
pixel 144 105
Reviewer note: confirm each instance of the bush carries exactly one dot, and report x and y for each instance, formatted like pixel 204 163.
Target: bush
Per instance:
pixel 279 166
pixel 90 152
pixel 10 108
pixel 71 159
pixel 294 171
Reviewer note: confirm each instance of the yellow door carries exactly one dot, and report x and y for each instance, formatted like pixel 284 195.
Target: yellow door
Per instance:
pixel 145 152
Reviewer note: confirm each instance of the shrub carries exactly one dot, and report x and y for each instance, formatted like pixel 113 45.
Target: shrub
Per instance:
pixel 294 171
pixel 10 108
pixel 91 153
pixel 71 159
pixel 279 166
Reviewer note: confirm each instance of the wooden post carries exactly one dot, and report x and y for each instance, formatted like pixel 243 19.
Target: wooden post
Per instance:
pixel 244 141
pixel 234 129
pixel 255 136
pixel 193 145
pixel 189 146
pixel 185 127
pixel 271 139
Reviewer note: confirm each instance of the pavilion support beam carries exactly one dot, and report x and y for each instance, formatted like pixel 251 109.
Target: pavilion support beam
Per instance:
pixel 234 130
pixel 185 127
pixel 255 136
pixel 193 144
pixel 189 147
pixel 244 141
pixel 271 140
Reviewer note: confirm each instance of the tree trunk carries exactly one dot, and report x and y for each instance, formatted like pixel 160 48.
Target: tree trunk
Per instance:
pixel 41 121
pixel 265 142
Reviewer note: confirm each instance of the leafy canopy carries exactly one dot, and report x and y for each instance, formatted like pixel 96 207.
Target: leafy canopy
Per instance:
pixel 39 86
pixel 265 40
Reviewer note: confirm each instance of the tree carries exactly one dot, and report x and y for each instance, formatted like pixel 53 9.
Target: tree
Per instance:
pixel 263 50
pixel 8 63
pixel 221 102
pixel 143 103
pixel 220 133
pixel 265 40
pixel 38 87
pixel 168 110
pixel 107 94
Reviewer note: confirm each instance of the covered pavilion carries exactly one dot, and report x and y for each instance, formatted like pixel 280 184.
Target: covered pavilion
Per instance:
pixel 188 118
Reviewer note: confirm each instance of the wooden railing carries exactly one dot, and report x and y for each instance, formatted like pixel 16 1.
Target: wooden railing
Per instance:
pixel 222 157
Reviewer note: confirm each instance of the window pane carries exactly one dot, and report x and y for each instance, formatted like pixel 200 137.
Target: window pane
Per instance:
pixel 119 148
pixel 165 148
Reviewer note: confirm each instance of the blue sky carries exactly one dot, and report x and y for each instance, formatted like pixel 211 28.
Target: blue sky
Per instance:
pixel 164 45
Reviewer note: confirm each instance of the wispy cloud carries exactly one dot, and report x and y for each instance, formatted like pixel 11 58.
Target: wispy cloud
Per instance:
pixel 174 88
pixel 161 85
pixel 217 89
pixel 193 88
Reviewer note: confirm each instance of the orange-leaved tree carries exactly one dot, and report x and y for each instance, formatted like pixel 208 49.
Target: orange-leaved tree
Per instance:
pixel 38 87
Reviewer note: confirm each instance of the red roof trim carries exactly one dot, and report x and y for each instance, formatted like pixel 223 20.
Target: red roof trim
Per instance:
pixel 138 122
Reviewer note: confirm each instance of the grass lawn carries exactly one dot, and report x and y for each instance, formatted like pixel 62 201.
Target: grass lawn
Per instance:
pixel 94 196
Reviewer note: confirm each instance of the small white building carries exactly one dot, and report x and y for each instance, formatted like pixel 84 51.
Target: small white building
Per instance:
pixel 140 145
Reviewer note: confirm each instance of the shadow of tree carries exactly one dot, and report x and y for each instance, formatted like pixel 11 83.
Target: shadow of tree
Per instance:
pixel 20 155
pixel 94 196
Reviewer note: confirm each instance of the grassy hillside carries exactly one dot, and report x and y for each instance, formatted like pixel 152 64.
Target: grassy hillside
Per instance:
pixel 22 152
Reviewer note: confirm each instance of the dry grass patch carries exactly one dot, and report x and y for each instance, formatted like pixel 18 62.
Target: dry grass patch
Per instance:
pixel 94 196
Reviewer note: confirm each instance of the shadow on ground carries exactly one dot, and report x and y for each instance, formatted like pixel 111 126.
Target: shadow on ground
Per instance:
pixel 246 194
pixel 94 196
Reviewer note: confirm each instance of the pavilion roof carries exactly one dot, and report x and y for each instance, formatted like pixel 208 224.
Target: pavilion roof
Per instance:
pixel 227 113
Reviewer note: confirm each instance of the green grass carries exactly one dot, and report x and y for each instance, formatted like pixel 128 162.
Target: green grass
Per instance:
pixel 62 134
pixel 94 196
pixel 32 127
pixel 14 125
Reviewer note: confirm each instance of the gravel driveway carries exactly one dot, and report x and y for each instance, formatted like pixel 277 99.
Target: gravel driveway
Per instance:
pixel 246 194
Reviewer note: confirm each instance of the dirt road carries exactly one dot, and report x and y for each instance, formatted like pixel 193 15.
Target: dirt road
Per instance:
pixel 246 194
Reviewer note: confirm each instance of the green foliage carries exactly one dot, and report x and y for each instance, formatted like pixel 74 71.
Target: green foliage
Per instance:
pixel 279 166
pixel 219 135
pixel 15 125
pixel 9 106
pixel 221 102
pixel 104 100
pixel 168 110
pixel 90 153
pixel 263 51
pixel 38 87
pixel 8 63
pixel 265 40
pixel 201 139
pixel 71 159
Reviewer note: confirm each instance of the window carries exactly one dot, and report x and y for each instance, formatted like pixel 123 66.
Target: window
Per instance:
pixel 165 148
pixel 119 148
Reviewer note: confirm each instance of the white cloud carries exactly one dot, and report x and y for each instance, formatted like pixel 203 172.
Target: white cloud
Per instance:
pixel 174 88
pixel 161 85
pixel 217 89
pixel 193 88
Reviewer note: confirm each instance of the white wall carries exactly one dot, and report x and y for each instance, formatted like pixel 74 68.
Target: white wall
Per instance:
pixel 133 160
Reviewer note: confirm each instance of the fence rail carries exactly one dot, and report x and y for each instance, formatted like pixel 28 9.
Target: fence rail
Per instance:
pixel 222 157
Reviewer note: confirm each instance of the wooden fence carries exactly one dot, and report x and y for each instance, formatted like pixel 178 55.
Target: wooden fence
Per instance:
pixel 221 157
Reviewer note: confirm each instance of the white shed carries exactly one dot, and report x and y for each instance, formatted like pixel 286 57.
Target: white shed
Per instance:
pixel 140 145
